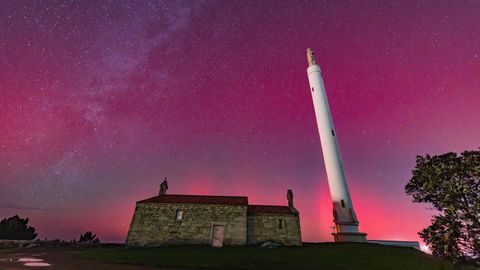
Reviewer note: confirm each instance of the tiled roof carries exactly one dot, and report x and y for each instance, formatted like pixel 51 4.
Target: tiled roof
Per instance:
pixel 197 199
pixel 269 209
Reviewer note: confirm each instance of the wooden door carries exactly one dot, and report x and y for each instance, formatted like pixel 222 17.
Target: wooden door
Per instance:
pixel 217 236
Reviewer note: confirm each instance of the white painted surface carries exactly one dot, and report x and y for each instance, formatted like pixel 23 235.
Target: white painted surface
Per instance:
pixel 411 244
pixel 33 262
pixel 30 260
pixel 345 221
pixel 37 264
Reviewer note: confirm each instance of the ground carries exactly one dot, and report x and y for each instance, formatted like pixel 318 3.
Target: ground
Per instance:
pixel 60 259
pixel 310 256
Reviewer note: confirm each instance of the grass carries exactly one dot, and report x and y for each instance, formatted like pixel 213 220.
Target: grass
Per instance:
pixel 310 256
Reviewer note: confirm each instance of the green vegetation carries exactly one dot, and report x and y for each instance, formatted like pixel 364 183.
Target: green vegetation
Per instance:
pixel 89 238
pixel 451 184
pixel 16 228
pixel 310 256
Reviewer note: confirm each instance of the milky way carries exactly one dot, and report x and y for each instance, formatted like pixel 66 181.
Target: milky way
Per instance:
pixel 101 100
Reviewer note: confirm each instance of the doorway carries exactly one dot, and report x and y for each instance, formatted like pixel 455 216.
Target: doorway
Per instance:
pixel 217 236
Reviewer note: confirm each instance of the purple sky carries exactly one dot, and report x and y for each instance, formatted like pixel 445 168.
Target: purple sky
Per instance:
pixel 101 100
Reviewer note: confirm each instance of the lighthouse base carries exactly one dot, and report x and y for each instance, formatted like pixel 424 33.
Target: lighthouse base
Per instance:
pixel 350 237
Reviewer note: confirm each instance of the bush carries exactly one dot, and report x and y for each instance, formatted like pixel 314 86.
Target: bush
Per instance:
pixel 16 228
pixel 89 238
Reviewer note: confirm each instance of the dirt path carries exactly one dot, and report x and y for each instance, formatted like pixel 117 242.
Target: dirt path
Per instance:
pixel 50 259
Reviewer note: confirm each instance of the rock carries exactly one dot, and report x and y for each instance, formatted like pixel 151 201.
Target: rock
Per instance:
pixel 31 245
pixel 271 244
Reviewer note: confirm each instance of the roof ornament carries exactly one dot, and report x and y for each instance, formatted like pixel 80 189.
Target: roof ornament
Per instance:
pixel 290 198
pixel 163 187
pixel 310 57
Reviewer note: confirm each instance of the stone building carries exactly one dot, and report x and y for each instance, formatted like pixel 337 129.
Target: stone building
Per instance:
pixel 211 220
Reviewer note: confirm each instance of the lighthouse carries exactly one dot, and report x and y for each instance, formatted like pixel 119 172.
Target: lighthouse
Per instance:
pixel 346 222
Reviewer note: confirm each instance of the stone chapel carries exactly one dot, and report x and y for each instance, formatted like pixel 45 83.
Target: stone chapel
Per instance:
pixel 169 219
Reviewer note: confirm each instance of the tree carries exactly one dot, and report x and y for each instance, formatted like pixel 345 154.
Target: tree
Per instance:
pixel 16 228
pixel 451 184
pixel 89 238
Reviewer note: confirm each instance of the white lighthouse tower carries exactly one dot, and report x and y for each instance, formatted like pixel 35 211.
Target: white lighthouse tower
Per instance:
pixel 346 223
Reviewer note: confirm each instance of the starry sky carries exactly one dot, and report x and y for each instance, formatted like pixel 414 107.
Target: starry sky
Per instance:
pixel 100 100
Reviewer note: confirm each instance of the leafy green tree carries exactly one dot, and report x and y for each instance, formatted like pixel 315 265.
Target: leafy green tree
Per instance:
pixel 89 238
pixel 16 228
pixel 451 184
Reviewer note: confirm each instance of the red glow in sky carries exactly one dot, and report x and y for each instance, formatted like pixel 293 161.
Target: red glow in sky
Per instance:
pixel 99 101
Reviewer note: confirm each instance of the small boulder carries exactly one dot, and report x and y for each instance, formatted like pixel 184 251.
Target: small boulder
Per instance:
pixel 271 244
pixel 31 245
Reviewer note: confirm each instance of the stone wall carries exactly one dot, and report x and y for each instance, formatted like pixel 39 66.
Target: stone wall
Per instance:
pixel 265 227
pixel 6 243
pixel 155 224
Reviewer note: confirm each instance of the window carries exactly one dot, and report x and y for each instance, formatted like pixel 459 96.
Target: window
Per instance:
pixel 312 89
pixel 333 133
pixel 343 204
pixel 179 215
pixel 280 224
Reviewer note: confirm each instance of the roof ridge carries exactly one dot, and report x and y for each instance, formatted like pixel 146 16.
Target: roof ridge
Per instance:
pixel 269 205
pixel 197 199
pixel 270 209
pixel 203 195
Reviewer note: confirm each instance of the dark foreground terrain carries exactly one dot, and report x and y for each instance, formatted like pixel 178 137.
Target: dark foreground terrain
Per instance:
pixel 55 259
pixel 310 256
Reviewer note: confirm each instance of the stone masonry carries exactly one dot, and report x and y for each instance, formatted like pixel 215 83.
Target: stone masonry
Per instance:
pixel 155 224
pixel 266 227
pixel 190 220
